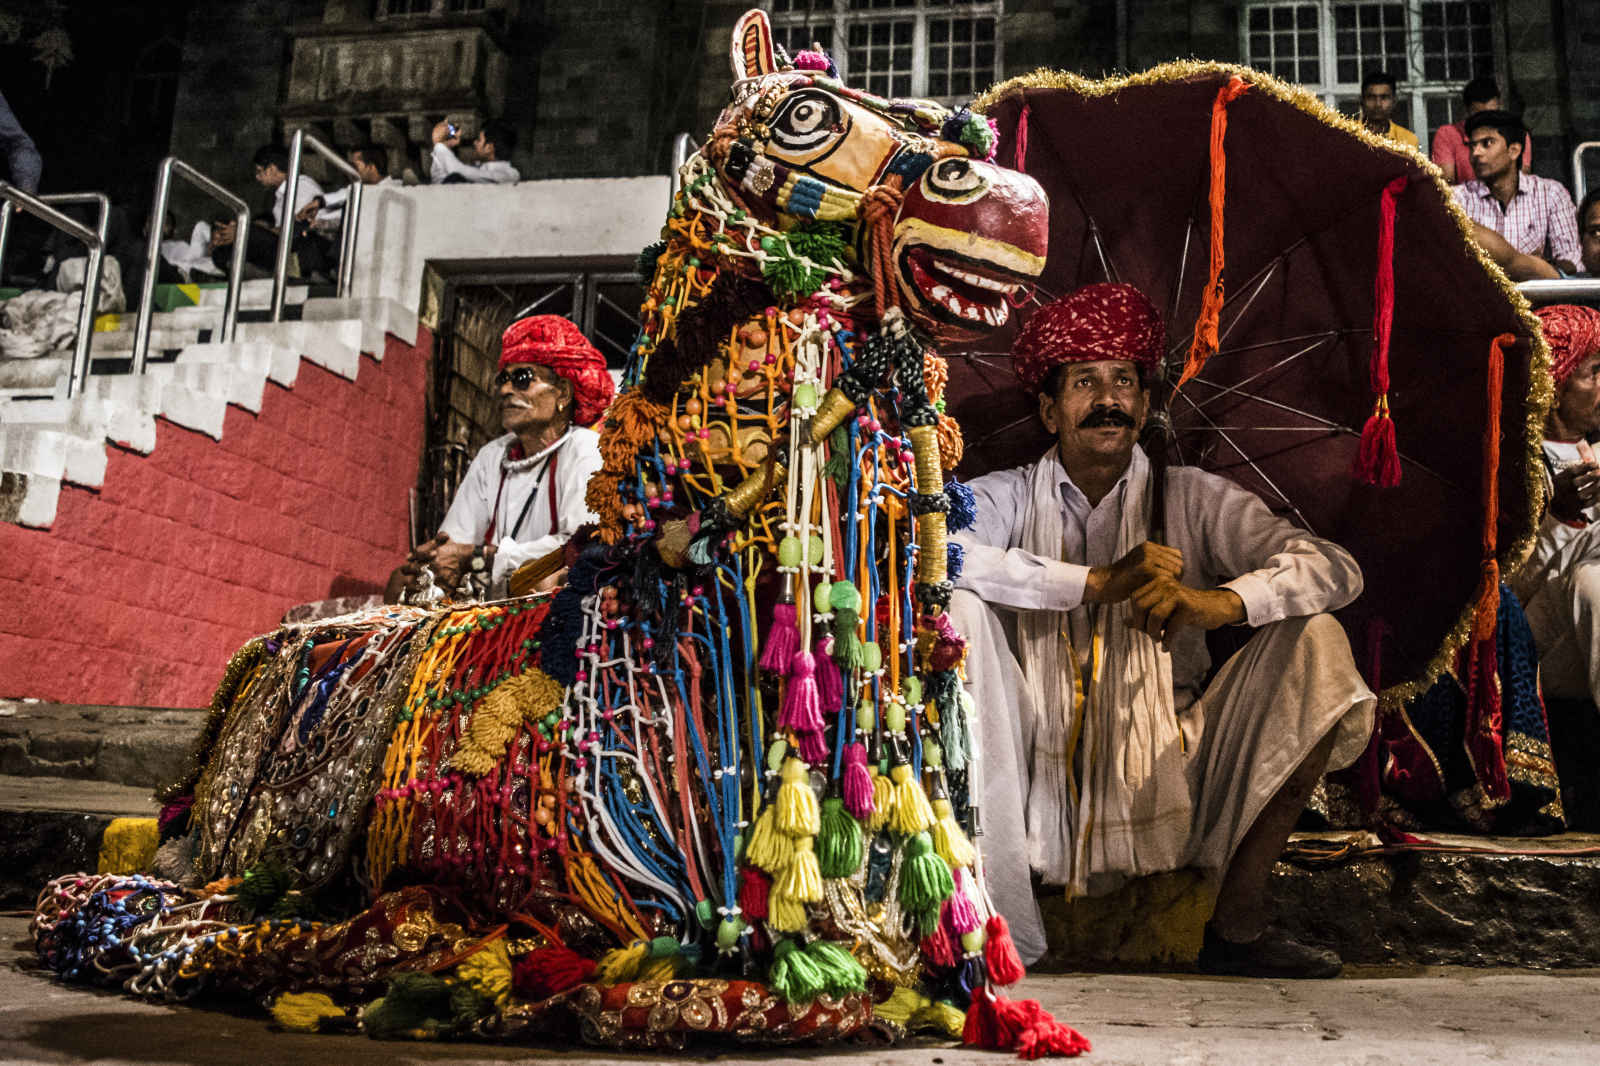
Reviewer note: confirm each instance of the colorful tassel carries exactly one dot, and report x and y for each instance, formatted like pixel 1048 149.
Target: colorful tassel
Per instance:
pixel 900 1005
pixel 845 599
pixel 1023 1026
pixel 841 973
pixel 767 848
pixel 925 881
pixel 813 747
pixel 754 887
pixel 882 801
pixel 544 972
pixel 801 711
pixel 946 1020
pixel 1205 339
pixel 938 949
pixel 784 913
pixel 830 683
pixel 622 964
pixel 783 639
pixel 1378 460
pixel 798 814
pixel 802 881
pixel 857 783
pixel 794 976
pixel 948 839
pixel 953 724
pixel 960 914
pixel 911 812
pixel 1000 952
pixel 839 844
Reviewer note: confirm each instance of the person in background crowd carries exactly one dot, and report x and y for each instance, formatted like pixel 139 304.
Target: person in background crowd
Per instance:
pixel 1518 267
pixel 1560 583
pixel 523 495
pixel 493 146
pixel 1377 105
pixel 23 164
pixel 1535 215
pixel 1589 232
pixel 261 247
pixel 1450 149
pixel 327 209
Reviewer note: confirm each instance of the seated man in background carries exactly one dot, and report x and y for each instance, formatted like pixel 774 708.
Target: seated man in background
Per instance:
pixel 261 242
pixel 1106 754
pixel 493 147
pixel 1589 232
pixel 1450 150
pixel 1377 105
pixel 326 210
pixel 523 495
pixel 1535 215
pixel 1560 583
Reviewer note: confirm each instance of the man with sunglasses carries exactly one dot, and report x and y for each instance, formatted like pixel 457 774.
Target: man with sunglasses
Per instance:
pixel 523 495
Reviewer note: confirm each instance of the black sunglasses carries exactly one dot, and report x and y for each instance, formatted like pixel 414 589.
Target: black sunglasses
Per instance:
pixel 519 376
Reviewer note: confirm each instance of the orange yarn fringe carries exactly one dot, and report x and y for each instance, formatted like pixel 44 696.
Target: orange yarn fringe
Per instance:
pixel 1205 328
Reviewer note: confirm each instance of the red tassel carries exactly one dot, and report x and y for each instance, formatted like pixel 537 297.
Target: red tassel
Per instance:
pixel 801 712
pixel 1023 1026
pixel 1205 327
pixel 1488 605
pixel 1000 952
pixel 753 889
pixel 1378 461
pixel 783 640
pixel 938 949
pixel 544 972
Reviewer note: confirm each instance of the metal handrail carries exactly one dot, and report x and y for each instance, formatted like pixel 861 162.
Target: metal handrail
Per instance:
pixel 95 242
pixel 683 146
pixel 347 230
pixel 99 199
pixel 170 167
pixel 1548 290
pixel 1580 184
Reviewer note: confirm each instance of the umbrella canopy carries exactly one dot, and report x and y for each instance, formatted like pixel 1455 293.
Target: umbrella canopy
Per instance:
pixel 1280 406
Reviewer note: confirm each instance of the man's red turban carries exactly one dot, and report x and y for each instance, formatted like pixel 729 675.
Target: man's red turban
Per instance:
pixel 555 342
pixel 1096 322
pixel 1573 334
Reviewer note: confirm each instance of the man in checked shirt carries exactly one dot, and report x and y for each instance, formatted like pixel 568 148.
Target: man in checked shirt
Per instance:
pixel 1535 215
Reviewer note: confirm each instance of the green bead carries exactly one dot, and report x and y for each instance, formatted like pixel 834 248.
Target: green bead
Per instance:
pixel 789 552
pixel 768 244
pixel 805 394
pixel 932 754
pixel 911 689
pixel 728 932
pixel 871 655
pixel 814 550
pixel 738 215
pixel 895 717
pixel 704 912
pixel 775 754
pixel 693 261
pixel 866 714
pixel 551 720
pixel 972 942
pixel 819 598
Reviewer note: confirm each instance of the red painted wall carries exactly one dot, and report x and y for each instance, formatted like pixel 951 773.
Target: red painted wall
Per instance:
pixel 143 589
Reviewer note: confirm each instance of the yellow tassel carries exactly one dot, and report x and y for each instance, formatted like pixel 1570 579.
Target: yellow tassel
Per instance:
pixel 303 1012
pixel 128 846
pixel 659 969
pixel 941 1017
pixel 785 913
pixel 948 839
pixel 767 848
pixel 882 803
pixel 622 964
pixel 902 1003
pixel 911 811
pixel 489 973
pixel 798 813
pixel 802 881
pixel 531 694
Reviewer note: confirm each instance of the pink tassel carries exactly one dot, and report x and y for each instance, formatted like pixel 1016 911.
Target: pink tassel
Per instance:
pixel 813 747
pixel 959 913
pixel 801 709
pixel 857 782
pixel 938 949
pixel 830 683
pixel 782 641
pixel 1000 953
pixel 949 647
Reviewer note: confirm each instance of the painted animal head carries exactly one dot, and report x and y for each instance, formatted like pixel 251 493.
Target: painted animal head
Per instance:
pixel 797 142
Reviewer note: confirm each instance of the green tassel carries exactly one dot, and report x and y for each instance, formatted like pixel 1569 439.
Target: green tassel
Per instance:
pixel 841 973
pixel 839 845
pixel 925 881
pixel 847 651
pixel 794 976
pixel 953 732
pixel 263 887
pixel 416 1005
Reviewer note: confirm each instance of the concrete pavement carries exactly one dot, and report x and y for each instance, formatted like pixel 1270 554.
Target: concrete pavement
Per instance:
pixel 1448 1016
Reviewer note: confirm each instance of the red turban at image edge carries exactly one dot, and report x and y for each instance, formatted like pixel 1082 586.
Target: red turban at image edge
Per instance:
pixel 1573 334
pixel 553 341
pixel 1097 322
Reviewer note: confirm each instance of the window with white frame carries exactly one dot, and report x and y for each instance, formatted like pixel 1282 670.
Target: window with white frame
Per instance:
pixel 1432 47
pixel 945 49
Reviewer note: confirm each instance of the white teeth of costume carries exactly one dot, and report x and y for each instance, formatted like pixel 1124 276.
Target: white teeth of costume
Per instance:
pixel 975 280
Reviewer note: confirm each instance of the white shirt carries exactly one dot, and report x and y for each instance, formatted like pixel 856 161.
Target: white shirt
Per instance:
pixel 1554 534
pixel 576 456
pixel 333 202
pixel 1228 537
pixel 308 190
pixel 444 163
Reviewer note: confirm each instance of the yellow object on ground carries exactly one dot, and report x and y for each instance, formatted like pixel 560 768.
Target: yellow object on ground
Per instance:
pixel 303 1012
pixel 128 846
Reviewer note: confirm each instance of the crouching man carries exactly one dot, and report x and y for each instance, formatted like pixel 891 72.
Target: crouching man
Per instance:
pixel 1106 755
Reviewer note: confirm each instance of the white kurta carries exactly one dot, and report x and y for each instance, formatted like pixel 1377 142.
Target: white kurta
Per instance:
pixel 1229 539
pixel 1559 587
pixel 491 477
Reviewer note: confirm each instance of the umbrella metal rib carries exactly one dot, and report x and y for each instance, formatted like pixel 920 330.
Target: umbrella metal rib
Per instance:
pixel 1285 361
pixel 1251 463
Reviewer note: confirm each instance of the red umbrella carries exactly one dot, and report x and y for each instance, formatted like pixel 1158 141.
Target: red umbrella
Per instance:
pixel 1134 183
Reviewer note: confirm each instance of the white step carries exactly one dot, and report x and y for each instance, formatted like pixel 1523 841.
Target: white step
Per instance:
pixel 278 363
pixel 378 315
pixel 30 501
pixel 333 344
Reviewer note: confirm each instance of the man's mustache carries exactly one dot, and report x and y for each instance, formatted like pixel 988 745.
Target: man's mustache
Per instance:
pixel 1107 416
pixel 512 401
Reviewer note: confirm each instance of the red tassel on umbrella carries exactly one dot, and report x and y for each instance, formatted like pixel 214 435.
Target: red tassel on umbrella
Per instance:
pixel 1019 160
pixel 1205 327
pixel 1000 952
pixel 1021 1025
pixel 1378 462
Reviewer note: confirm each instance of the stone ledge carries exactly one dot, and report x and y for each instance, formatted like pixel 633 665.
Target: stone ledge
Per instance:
pixel 50 827
pixel 136 746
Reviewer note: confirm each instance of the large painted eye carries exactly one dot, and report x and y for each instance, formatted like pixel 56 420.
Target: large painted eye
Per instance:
pixel 954 181
pixel 806 126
